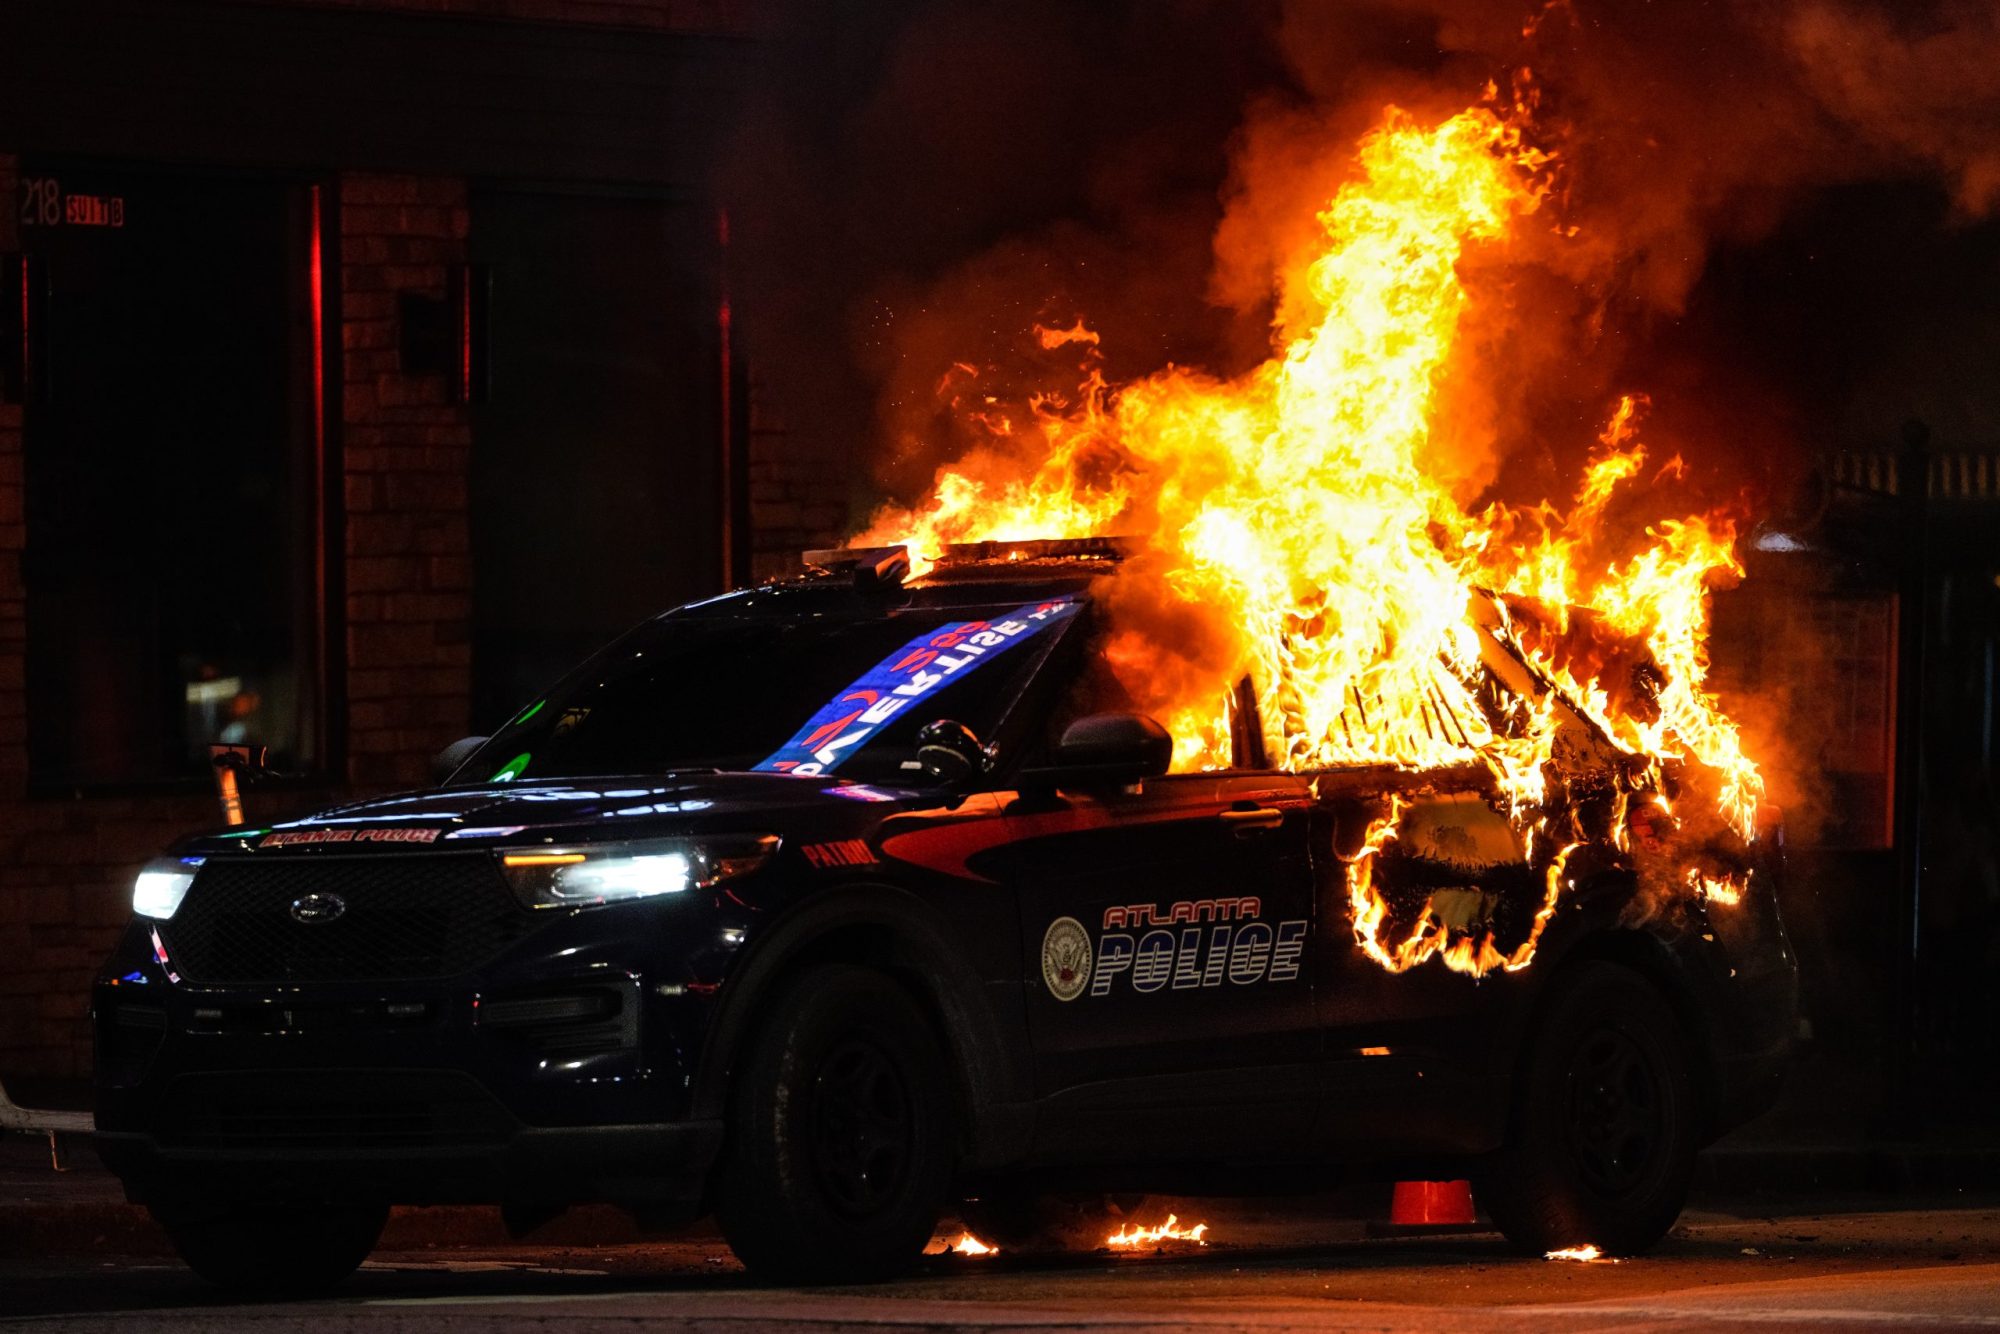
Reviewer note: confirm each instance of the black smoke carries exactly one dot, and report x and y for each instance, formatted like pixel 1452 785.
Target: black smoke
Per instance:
pixel 1774 218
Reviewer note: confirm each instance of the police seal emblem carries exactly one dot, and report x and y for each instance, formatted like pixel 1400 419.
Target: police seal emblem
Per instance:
pixel 1066 958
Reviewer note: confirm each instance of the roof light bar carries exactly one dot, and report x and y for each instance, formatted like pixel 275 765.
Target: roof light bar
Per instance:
pixel 1039 549
pixel 890 563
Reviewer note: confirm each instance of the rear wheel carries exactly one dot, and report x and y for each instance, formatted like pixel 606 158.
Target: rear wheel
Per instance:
pixel 1605 1125
pixel 274 1250
pixel 839 1148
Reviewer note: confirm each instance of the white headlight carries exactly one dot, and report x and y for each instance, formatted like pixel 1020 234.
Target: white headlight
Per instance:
pixel 607 879
pixel 618 872
pixel 162 885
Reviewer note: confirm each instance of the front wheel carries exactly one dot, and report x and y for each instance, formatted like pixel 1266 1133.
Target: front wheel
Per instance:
pixel 839 1147
pixel 284 1250
pixel 1605 1126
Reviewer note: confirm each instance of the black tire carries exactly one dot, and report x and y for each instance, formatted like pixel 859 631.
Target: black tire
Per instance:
pixel 1605 1123
pixel 839 1149
pixel 288 1250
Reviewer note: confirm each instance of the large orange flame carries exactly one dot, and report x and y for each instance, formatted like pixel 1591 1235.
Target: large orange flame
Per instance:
pixel 1298 512
pixel 1131 1235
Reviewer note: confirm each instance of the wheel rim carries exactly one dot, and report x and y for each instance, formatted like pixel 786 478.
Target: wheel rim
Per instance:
pixel 1617 1114
pixel 862 1128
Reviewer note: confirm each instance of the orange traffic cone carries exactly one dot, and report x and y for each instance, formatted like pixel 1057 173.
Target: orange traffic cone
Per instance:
pixel 1432 1204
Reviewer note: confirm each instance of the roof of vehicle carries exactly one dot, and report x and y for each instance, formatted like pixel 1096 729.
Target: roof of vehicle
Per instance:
pixel 858 580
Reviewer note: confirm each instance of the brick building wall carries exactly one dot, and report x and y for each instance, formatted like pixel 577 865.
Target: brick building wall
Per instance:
pixel 67 861
pixel 401 632
pixel 66 866
pixel 13 539
pixel 406 452
pixel 400 576
pixel 798 500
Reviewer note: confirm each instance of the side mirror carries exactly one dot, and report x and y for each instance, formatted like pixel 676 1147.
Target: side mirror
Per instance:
pixel 1106 750
pixel 950 752
pixel 447 761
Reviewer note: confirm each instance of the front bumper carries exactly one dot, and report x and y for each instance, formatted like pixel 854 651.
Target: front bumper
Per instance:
pixel 561 1072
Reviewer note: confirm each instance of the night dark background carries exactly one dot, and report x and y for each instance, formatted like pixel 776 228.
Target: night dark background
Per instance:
pixel 1784 238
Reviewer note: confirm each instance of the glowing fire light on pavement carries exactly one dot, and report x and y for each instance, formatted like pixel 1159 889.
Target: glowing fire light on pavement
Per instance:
pixel 1302 524
pixel 1580 1254
pixel 1130 1237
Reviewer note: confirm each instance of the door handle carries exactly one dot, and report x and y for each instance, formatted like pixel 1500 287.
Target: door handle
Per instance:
pixel 1244 821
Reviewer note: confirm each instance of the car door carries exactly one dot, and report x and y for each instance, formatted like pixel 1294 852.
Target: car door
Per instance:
pixel 1399 1026
pixel 1169 970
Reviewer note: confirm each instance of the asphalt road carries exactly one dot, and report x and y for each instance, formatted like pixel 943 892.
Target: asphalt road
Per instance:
pixel 1929 1268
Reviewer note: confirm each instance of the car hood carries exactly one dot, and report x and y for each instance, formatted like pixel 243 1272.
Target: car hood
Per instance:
pixel 580 810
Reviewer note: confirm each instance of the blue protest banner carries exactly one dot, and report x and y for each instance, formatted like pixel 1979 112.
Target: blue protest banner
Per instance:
pixel 847 722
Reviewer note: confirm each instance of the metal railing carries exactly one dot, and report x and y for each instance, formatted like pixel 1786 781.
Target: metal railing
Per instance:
pixel 1957 474
pixel 35 1121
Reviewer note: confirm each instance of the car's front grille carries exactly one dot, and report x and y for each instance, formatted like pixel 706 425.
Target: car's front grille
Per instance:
pixel 330 1109
pixel 403 917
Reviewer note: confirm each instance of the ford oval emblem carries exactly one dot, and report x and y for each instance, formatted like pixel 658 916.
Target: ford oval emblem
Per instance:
pixel 318 909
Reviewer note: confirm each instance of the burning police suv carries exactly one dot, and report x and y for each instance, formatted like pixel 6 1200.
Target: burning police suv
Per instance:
pixel 828 904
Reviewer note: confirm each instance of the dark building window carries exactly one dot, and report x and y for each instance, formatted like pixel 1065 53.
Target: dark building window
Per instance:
pixel 596 481
pixel 173 477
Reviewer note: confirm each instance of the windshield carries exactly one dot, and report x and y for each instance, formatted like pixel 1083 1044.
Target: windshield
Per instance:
pixel 808 694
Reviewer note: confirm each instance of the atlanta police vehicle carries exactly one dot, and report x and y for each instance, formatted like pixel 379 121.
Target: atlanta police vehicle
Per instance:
pixel 838 903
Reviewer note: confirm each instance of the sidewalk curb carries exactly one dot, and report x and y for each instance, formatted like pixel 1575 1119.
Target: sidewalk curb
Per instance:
pixel 127 1229
pixel 111 1228
pixel 69 1229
